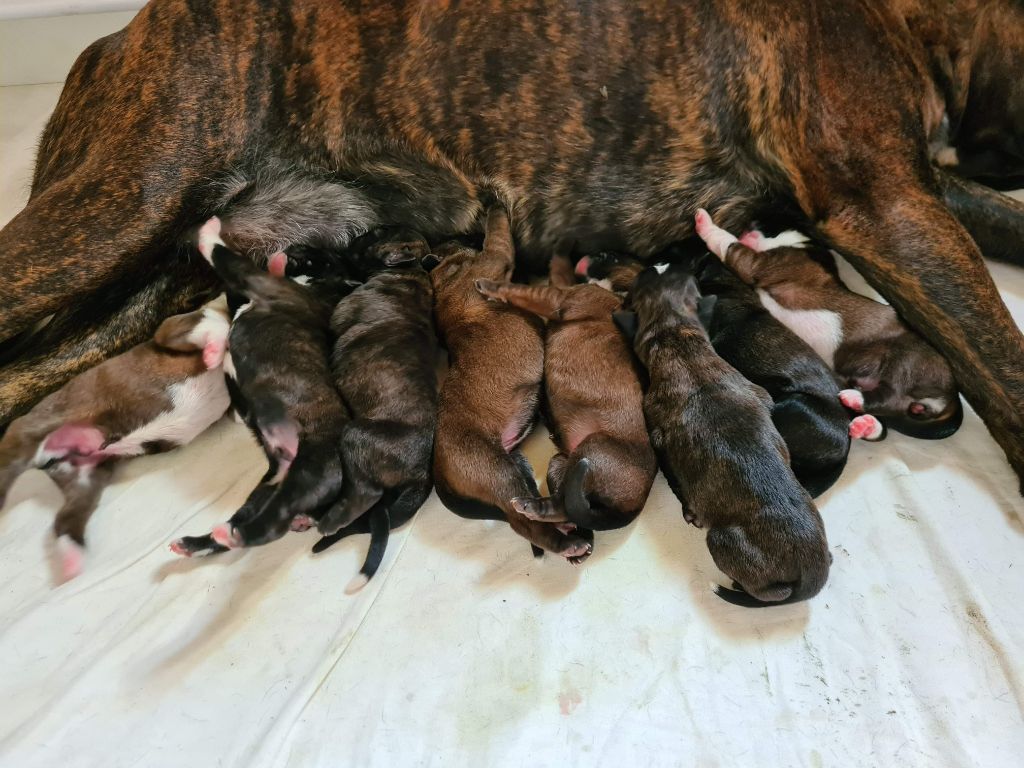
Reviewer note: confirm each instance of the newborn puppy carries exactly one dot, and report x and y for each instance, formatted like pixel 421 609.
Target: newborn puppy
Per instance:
pixel 894 373
pixel 612 271
pixel 488 400
pixel 594 404
pixel 152 398
pixel 712 432
pixel 384 367
pixel 281 386
pixel 807 410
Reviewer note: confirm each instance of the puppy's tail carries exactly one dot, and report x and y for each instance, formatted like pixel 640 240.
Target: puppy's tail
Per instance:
pixel 578 508
pixel 380 528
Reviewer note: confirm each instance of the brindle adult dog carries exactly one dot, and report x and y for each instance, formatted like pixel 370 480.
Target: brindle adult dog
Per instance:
pixel 318 119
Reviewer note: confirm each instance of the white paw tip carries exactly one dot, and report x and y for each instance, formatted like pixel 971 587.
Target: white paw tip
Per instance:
pixel 358 581
pixel 72 557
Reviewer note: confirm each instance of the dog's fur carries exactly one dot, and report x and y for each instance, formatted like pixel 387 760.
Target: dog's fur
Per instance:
pixel 593 404
pixel 903 380
pixel 384 365
pixel 281 386
pixel 398 113
pixel 716 444
pixel 489 397
pixel 155 397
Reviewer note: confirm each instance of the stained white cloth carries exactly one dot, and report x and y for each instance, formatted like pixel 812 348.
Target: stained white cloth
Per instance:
pixel 464 650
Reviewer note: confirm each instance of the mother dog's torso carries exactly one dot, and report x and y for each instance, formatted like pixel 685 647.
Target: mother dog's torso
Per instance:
pixel 600 124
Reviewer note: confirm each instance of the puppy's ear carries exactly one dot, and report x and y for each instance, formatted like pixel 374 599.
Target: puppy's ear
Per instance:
pixel 706 310
pixel 626 321
pixel 430 261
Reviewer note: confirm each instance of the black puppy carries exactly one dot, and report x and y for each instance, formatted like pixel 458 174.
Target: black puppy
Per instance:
pixel 718 448
pixel 280 383
pixel 384 367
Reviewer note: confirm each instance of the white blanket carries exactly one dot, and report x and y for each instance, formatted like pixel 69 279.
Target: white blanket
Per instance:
pixel 464 650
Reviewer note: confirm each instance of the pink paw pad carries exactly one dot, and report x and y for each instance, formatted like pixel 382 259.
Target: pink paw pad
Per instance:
pixel 77 439
pixel 866 427
pixel 72 557
pixel 213 354
pixel 277 264
pixel 178 547
pixel 583 266
pixel 302 523
pixel 753 239
pixel 224 535
pixel 852 399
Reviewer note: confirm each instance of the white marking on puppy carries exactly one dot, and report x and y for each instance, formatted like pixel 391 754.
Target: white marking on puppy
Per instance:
pixel 661 268
pixel 854 281
pixel 302 279
pixel 357 583
pixel 820 328
pixel 242 310
pixel 933 405
pixel 211 333
pixel 791 238
pixel 716 238
pixel 604 282
pixel 947 156
pixel 72 557
pixel 209 238
pixel 196 403
pixel 229 368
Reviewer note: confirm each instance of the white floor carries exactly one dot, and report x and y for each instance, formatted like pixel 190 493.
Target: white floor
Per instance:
pixel 466 651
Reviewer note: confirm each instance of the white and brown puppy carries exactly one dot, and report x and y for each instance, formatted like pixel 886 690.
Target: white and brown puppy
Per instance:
pixel 154 397
pixel 890 371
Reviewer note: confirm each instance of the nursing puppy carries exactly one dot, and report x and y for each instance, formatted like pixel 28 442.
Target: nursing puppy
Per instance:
pixel 281 386
pixel 488 400
pixel 890 371
pixel 712 432
pixel 384 367
pixel 152 398
pixel 604 469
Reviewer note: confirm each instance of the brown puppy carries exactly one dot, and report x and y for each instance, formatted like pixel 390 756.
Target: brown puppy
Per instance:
pixel 594 404
pixel 412 128
pixel 152 398
pixel 488 400
pixel 894 373
pixel 716 444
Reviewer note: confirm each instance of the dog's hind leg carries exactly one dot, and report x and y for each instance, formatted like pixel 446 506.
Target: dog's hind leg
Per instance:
pixel 995 221
pixel 911 248
pixel 95 327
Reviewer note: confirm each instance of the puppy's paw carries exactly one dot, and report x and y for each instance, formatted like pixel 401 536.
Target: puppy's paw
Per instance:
pixel 716 238
pixel 488 288
pixel 213 353
pixel 577 552
pixel 209 237
pixel 72 557
pixel 867 427
pixel 302 523
pixel 277 264
pixel 852 399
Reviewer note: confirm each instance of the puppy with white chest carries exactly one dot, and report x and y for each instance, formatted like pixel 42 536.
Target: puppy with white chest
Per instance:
pixel 890 371
pixel 153 398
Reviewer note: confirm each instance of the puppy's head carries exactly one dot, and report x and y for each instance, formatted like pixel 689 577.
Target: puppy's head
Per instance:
pixel 781 555
pixel 386 248
pixel 908 386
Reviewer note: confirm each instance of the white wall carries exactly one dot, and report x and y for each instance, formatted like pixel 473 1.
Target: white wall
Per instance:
pixel 22 9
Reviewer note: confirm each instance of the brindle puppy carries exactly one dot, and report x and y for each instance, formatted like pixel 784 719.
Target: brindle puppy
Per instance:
pixel 725 461
pixel 488 400
pixel 594 404
pixel 384 367
pixel 894 373
pixel 152 398
pixel 282 387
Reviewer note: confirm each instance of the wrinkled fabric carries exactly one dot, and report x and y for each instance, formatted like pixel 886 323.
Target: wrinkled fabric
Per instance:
pixel 464 650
